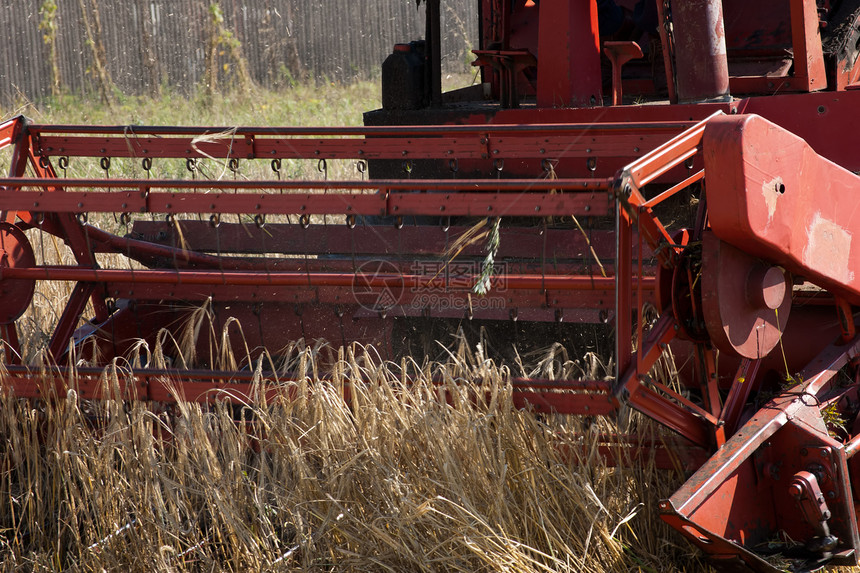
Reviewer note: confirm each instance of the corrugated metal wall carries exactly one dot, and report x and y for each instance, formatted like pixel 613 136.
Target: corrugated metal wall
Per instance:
pixel 338 40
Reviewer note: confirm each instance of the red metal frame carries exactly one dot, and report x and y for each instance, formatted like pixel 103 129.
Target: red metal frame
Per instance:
pixel 721 505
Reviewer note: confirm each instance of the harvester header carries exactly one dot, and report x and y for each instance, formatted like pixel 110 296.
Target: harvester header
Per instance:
pixel 671 179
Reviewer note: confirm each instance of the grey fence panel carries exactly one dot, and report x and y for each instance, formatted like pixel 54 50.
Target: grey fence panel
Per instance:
pixel 154 43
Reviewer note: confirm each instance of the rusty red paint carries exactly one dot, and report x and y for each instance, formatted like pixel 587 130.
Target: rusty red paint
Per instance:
pixel 700 42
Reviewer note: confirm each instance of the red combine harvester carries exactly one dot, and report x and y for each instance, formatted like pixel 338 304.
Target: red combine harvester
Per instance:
pixel 701 146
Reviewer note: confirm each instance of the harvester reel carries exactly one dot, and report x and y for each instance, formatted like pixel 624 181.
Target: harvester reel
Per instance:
pixel 15 251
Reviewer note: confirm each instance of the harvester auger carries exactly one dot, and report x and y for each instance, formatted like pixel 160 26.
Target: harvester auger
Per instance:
pixel 731 216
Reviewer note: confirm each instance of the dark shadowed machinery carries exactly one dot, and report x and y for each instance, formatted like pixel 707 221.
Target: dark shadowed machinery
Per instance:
pixel 675 175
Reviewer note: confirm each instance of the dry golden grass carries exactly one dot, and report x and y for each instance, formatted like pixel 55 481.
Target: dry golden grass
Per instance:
pixel 395 481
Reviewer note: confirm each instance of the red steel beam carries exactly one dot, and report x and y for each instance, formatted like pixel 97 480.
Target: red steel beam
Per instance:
pixel 524 242
pixel 465 197
pixel 484 146
pixel 70 318
pixel 806 41
pixel 563 396
pixel 528 305
pixel 498 204
pixel 419 142
pixel 436 185
pixel 9 130
pixel 18 162
pixel 626 450
pixel 132 132
pixel 671 154
pixel 162 254
pixel 298 278
pixel 461 147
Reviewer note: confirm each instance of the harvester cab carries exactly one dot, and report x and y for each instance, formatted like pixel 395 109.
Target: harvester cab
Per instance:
pixel 682 188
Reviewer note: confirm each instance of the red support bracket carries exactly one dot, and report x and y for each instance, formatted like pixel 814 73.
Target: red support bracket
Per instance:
pixel 742 496
pixel 65 328
pixel 619 53
pixel 738 395
pixel 846 319
pixel 809 70
pixel 14 132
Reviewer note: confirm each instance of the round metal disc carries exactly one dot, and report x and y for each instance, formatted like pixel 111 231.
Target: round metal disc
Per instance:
pixel 15 252
pixel 745 301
